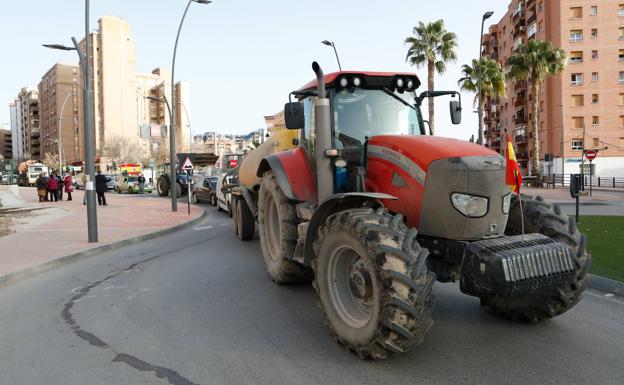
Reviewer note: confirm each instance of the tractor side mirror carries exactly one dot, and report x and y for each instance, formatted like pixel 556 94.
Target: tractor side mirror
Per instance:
pixel 293 114
pixel 456 109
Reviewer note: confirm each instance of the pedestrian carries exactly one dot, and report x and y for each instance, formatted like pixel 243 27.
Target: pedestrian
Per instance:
pixel 53 186
pixel 83 179
pixel 69 186
pixel 42 187
pixel 141 181
pixel 57 175
pixel 100 188
pixel 48 196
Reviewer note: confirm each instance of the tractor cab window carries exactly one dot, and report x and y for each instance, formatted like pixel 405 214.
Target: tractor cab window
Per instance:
pixel 309 131
pixel 360 113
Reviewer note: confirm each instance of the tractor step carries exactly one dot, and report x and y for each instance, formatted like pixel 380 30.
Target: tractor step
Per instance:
pixel 513 266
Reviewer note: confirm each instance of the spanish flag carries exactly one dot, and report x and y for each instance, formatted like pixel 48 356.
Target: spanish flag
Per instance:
pixel 513 176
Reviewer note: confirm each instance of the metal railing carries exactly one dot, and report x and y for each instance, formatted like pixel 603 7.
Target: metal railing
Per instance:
pixel 595 181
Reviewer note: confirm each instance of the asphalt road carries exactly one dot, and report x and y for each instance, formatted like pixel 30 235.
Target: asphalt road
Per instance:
pixel 197 307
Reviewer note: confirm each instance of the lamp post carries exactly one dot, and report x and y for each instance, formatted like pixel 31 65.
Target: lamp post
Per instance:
pixel 172 139
pixel 486 16
pixel 331 44
pixel 89 133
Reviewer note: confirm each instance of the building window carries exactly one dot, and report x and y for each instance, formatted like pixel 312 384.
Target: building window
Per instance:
pixel 621 56
pixel 621 10
pixel 594 10
pixel 541 26
pixel 540 7
pixel 578 101
pixel 577 144
pixel 595 142
pixel 594 76
pixel 517 10
pixel 595 120
pixel 577 122
pixel 621 78
pixel 532 30
pixel 621 100
pixel 577 79
pixel 575 12
pixel 576 57
pixel 594 33
pixel 595 98
pixel 594 54
pixel 621 33
pixel 621 121
pixel 577 34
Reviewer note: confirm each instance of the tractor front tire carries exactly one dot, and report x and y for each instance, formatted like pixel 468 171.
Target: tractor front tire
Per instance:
pixel 162 185
pixel 243 220
pixel 277 225
pixel 544 218
pixel 372 282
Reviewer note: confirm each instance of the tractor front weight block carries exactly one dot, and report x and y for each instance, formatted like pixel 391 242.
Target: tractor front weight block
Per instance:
pixel 512 267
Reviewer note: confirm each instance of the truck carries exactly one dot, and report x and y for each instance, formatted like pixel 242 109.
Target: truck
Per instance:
pixel 163 179
pixel 373 209
pixel 34 170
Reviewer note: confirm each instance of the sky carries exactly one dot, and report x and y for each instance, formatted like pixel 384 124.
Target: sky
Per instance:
pixel 243 57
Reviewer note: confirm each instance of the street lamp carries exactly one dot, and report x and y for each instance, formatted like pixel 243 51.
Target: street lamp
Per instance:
pixel 172 140
pixel 89 133
pixel 331 44
pixel 486 16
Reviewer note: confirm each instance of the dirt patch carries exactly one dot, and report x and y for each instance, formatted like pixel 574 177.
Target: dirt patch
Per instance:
pixel 6 224
pixel 21 219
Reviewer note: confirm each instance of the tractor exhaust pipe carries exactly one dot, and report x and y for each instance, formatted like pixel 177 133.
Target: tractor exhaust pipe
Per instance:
pixel 324 173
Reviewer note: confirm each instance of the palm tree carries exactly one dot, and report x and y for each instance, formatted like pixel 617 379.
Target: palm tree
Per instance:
pixel 432 45
pixel 534 61
pixel 491 85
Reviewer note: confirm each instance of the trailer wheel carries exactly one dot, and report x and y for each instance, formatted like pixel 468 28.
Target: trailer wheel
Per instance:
pixel 372 282
pixel 244 221
pixel 277 225
pixel 544 218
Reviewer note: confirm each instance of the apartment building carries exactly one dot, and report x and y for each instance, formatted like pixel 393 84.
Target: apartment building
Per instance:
pixel 583 108
pixel 25 132
pixel 58 112
pixel 6 145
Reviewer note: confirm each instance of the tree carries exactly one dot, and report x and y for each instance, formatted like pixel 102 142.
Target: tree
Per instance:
pixel 432 45
pixel 491 85
pixel 51 160
pixel 533 62
pixel 122 150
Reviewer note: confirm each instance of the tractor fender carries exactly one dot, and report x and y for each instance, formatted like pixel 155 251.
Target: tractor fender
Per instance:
pixel 293 174
pixel 335 203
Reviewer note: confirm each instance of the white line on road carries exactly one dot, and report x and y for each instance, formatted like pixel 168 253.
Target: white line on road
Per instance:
pixel 202 228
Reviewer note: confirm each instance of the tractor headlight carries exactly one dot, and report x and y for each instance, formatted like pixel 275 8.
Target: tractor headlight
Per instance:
pixel 357 82
pixel 506 203
pixel 343 82
pixel 400 83
pixel 470 205
pixel 410 84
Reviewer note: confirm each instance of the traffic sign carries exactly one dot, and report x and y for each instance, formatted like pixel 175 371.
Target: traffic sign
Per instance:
pixel 187 165
pixel 591 154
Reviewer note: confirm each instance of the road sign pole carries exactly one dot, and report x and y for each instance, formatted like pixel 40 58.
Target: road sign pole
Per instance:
pixel 188 184
pixel 590 178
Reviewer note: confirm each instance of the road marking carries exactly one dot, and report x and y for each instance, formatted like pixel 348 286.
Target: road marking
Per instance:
pixel 225 224
pixel 202 228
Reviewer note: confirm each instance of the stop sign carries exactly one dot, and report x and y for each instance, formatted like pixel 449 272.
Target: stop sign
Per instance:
pixel 591 155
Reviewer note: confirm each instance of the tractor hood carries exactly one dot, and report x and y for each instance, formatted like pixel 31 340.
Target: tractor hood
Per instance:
pixel 423 150
pixel 425 172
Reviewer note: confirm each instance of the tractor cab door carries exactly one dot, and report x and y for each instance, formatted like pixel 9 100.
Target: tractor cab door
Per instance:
pixel 307 139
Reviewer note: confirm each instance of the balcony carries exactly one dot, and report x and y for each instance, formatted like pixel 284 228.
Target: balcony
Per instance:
pixel 520 101
pixel 519 31
pixel 531 19
pixel 521 138
pixel 530 4
pixel 520 86
pixel 517 16
pixel 520 118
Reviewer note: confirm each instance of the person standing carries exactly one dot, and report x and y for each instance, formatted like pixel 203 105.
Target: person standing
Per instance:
pixel 53 186
pixel 100 188
pixel 83 179
pixel 141 181
pixel 59 192
pixel 42 187
pixel 68 182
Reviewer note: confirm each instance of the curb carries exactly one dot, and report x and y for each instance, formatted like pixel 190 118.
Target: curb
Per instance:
pixel 606 285
pixel 49 265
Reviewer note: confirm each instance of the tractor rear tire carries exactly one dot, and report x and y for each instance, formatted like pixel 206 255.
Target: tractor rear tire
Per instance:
pixel 372 282
pixel 277 225
pixel 243 220
pixel 162 186
pixel 544 218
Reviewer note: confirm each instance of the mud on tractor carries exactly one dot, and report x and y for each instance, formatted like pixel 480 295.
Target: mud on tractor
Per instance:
pixel 374 210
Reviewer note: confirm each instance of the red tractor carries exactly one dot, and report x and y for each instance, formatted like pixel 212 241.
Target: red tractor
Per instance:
pixel 374 210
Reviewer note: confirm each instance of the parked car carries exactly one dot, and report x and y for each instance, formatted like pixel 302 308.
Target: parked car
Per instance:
pixel 205 190
pixel 78 184
pixel 130 184
pixel 111 181
pixel 224 188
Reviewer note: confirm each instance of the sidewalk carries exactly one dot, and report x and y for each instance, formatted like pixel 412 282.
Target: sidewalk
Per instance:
pixel 54 230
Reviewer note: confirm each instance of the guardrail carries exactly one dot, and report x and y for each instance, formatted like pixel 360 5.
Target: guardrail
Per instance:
pixel 601 182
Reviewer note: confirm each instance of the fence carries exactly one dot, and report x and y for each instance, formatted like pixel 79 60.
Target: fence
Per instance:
pixel 594 181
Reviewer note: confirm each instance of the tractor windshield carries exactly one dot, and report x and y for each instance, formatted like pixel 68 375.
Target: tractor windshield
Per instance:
pixel 360 113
